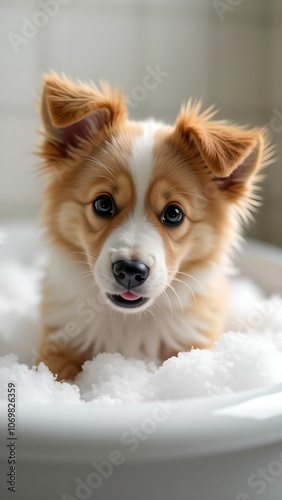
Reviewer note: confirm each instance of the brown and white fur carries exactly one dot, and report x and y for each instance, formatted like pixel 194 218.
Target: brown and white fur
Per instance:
pixel 206 169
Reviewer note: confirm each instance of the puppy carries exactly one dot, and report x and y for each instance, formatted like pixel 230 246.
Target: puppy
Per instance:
pixel 140 219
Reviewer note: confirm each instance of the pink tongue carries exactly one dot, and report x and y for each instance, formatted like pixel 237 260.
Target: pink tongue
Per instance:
pixel 130 296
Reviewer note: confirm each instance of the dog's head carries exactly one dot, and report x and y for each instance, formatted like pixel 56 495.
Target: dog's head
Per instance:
pixel 144 202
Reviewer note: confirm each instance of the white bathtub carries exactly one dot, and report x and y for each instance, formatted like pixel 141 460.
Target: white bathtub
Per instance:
pixel 216 448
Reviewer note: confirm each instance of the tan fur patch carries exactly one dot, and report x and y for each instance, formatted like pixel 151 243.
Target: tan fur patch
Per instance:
pixel 68 214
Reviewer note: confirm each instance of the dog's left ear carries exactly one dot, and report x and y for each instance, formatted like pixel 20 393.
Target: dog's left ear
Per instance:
pixel 232 154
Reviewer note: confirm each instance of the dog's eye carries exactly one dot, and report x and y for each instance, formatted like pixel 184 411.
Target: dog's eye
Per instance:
pixel 172 215
pixel 104 206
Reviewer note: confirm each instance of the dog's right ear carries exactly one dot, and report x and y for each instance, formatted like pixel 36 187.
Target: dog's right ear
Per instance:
pixel 73 113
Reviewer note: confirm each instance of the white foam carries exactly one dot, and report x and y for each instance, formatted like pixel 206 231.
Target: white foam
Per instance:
pixel 249 357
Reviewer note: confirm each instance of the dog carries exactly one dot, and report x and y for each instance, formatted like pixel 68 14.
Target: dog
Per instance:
pixel 140 221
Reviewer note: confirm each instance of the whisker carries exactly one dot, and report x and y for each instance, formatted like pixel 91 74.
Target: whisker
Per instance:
pixel 83 274
pixel 192 194
pixel 77 280
pixel 188 276
pixel 176 294
pixel 151 312
pixel 169 302
pixel 91 285
pixel 95 160
pixel 104 177
pixel 191 290
pixel 78 262
pixel 110 170
pixel 85 254
pixel 85 262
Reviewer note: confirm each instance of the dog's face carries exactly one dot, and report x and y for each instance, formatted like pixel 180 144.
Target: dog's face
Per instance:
pixel 143 202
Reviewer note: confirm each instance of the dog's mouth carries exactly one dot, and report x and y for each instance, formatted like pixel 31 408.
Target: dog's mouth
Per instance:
pixel 127 299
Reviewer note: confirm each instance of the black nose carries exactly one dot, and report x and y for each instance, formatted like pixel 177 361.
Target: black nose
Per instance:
pixel 130 273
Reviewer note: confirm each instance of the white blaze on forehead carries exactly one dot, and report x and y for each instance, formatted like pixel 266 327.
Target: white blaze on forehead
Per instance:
pixel 137 233
pixel 141 163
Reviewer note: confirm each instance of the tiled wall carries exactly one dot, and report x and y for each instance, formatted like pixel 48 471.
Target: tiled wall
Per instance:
pixel 228 56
